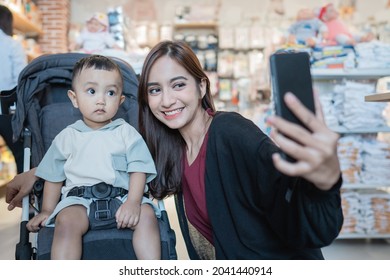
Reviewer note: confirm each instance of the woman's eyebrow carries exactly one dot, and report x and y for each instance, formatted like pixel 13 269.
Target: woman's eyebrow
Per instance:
pixel 171 80
pixel 178 78
pixel 152 84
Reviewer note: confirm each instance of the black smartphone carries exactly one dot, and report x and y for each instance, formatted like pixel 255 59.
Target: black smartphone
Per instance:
pixel 290 72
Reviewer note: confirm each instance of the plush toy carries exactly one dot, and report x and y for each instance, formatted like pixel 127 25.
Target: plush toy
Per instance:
pixel 95 36
pixel 307 30
pixel 338 33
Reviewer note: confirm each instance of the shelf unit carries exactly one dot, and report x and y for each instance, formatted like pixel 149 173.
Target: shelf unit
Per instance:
pixel 355 73
pixel 195 28
pixel 364 186
pixel 364 236
pixel 368 130
pixel 202 37
pixel 241 83
pixel 379 97
pixel 24 26
pixel 327 78
pixel 196 25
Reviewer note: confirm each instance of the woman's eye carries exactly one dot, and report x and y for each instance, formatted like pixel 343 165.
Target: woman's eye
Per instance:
pixel 154 91
pixel 91 91
pixel 179 85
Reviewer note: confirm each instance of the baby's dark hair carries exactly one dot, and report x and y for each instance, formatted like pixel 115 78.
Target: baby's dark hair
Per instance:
pixel 99 62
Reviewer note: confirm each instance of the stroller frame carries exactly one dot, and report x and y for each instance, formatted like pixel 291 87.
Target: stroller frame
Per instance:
pixel 33 96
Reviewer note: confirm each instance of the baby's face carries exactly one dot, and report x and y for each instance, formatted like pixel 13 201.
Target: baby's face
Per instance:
pixel 94 25
pixel 305 14
pixel 98 95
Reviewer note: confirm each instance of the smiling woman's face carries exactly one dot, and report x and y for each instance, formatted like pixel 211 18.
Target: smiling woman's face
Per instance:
pixel 174 97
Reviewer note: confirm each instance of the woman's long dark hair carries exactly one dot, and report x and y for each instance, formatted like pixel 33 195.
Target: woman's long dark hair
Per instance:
pixel 6 20
pixel 166 145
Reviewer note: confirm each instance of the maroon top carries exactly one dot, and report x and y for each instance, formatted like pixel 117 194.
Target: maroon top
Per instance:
pixel 194 193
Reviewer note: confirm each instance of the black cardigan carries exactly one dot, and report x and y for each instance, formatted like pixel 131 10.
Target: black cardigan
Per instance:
pixel 254 210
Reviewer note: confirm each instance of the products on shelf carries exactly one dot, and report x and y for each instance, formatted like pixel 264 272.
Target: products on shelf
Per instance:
pixel 346 109
pixel 366 212
pixel 199 13
pixel 225 89
pixel 364 159
pixel 363 149
pixel 115 20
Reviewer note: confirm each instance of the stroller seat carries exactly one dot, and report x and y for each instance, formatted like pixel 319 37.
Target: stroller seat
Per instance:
pixel 43 109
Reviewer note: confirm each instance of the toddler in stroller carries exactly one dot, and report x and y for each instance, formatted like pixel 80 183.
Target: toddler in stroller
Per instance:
pixel 95 166
pixel 96 123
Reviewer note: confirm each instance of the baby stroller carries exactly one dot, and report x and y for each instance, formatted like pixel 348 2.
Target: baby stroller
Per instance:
pixel 42 111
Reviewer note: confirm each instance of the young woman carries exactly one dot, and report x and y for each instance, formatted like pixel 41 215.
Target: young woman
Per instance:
pixel 236 197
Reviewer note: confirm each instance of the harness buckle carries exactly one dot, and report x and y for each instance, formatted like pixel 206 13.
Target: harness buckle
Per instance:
pixel 101 190
pixel 102 210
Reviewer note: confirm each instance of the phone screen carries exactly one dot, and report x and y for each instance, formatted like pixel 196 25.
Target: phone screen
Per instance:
pixel 290 72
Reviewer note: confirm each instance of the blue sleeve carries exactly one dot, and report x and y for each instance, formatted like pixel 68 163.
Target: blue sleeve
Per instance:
pixel 19 61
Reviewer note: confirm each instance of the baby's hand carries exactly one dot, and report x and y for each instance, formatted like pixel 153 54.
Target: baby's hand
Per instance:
pixel 127 215
pixel 37 222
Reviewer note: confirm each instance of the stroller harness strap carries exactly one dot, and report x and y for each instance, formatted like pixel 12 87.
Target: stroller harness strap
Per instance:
pixel 99 191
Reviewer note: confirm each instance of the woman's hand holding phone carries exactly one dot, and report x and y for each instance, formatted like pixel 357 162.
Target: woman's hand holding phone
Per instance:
pixel 308 146
pixel 313 146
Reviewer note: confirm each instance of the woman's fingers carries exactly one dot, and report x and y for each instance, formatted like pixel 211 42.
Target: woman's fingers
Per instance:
pixel 35 224
pixel 309 119
pixel 303 151
pixel 318 107
pixel 290 130
pixel 288 168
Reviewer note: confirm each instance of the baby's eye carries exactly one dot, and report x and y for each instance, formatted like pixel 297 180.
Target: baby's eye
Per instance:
pixel 111 93
pixel 91 91
pixel 154 91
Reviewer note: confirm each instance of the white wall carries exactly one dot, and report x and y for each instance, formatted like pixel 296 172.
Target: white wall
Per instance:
pixel 231 11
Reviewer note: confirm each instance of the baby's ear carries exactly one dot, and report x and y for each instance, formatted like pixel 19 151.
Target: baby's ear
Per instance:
pixel 122 99
pixel 72 97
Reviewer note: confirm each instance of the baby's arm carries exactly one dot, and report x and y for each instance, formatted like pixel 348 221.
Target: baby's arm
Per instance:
pixel 291 33
pixel 128 213
pixel 51 196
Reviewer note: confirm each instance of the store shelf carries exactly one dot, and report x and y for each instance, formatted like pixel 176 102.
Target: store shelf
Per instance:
pixel 365 186
pixel 349 73
pixel 196 25
pixel 364 235
pixel 325 80
pixel 368 130
pixel 380 97
pixel 24 25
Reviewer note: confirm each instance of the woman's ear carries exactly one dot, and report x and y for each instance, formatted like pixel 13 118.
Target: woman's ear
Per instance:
pixel 72 97
pixel 202 87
